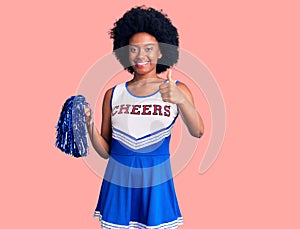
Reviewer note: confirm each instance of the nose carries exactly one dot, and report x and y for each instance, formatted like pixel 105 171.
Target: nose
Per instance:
pixel 141 53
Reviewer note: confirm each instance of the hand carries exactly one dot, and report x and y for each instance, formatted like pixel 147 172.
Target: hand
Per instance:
pixel 88 115
pixel 170 92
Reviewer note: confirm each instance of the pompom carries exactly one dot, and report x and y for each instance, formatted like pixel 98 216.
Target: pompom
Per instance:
pixel 71 127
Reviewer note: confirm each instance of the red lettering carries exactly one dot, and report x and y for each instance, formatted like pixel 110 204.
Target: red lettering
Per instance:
pixel 135 109
pixel 167 110
pixel 124 107
pixel 157 108
pixel 113 111
pixel 146 110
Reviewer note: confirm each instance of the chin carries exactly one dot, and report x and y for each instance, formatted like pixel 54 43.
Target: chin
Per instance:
pixel 144 70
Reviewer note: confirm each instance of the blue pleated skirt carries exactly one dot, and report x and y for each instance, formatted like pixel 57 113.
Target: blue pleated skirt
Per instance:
pixel 138 192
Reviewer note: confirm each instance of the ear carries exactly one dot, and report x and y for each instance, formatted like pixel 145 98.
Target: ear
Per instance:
pixel 159 54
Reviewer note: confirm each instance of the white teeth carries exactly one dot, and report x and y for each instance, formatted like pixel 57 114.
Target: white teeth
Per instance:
pixel 142 63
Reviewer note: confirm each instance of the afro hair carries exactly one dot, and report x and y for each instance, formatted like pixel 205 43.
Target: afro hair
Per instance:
pixel 149 20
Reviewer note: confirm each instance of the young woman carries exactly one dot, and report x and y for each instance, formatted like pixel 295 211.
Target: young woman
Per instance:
pixel 138 115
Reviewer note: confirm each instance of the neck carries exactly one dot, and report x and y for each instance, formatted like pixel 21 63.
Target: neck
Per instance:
pixel 149 76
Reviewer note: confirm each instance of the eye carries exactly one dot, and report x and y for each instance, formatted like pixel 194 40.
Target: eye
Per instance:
pixel 148 49
pixel 133 49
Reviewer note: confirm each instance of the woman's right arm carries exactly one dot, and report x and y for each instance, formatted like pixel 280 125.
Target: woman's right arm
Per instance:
pixel 101 142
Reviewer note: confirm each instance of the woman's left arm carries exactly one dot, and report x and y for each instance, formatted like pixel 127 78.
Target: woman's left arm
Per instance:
pixel 181 95
pixel 189 114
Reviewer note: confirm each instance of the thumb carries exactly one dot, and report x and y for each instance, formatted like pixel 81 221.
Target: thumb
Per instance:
pixel 169 75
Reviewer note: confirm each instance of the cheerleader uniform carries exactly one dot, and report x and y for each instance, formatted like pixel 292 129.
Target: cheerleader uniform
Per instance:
pixel 138 190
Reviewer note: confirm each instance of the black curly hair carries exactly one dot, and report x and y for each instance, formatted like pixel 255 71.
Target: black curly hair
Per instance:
pixel 149 20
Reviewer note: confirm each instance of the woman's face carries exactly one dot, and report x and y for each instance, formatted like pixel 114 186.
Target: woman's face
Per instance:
pixel 143 53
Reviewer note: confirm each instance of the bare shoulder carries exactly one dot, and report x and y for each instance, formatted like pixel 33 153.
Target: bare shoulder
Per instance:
pixel 108 93
pixel 107 97
pixel 184 88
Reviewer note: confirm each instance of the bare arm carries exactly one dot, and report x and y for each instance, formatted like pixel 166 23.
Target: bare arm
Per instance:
pixel 180 94
pixel 101 142
pixel 189 114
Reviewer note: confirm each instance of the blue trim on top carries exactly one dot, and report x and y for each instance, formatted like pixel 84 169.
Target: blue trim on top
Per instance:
pixel 148 135
pixel 139 96
pixel 112 93
pixel 160 147
pixel 176 81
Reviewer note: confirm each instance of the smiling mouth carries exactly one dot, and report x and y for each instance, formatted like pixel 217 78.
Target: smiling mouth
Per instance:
pixel 141 64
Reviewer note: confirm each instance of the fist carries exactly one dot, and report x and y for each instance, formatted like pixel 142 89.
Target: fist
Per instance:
pixel 170 92
pixel 88 115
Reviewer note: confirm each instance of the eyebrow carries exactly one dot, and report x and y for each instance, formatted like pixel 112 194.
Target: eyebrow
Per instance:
pixel 144 44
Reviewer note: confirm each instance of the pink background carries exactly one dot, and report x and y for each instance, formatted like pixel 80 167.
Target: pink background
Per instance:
pixel 251 48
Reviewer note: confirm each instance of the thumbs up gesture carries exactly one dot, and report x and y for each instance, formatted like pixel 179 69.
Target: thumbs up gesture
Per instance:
pixel 170 92
pixel 169 76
